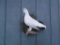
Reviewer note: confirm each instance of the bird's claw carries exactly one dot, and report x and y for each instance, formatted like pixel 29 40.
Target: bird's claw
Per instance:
pixel 31 32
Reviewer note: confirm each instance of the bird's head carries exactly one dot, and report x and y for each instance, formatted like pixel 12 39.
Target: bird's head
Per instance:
pixel 25 10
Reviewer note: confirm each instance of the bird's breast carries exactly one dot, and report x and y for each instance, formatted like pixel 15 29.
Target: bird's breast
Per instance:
pixel 27 20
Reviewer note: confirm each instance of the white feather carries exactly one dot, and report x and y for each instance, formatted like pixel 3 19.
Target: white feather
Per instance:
pixel 31 22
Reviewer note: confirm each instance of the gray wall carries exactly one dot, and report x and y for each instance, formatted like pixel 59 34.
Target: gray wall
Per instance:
pixel 11 18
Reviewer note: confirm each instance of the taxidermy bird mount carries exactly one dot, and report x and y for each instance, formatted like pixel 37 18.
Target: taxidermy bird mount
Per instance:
pixel 31 26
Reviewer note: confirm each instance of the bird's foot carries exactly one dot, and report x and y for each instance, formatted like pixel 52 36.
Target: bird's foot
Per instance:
pixel 31 32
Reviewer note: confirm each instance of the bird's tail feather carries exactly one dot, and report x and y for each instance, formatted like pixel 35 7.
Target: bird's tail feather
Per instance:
pixel 42 26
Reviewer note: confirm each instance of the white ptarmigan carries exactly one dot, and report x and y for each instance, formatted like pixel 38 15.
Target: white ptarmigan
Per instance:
pixel 31 22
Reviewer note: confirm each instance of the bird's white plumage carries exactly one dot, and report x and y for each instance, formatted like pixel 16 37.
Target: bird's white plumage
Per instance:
pixel 31 22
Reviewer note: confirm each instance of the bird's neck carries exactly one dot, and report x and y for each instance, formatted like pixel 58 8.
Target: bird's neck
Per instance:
pixel 26 13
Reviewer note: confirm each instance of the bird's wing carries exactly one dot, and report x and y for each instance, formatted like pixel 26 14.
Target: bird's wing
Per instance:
pixel 36 23
pixel 41 22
